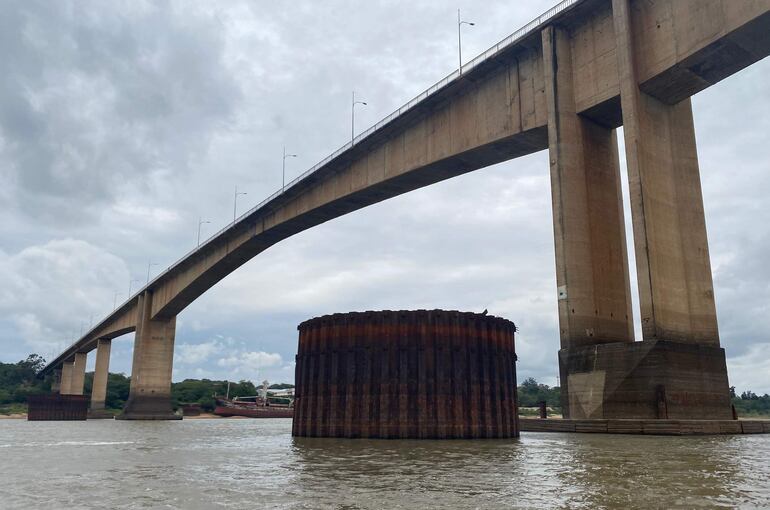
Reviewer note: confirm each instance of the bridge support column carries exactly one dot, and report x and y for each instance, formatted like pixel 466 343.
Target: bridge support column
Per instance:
pixel 101 372
pixel 78 373
pixel 66 378
pixel 589 232
pixel 676 292
pixel 678 371
pixel 56 381
pixel 150 393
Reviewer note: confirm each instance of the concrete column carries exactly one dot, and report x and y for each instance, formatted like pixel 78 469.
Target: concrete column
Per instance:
pixel 56 381
pixel 672 257
pixel 150 393
pixel 78 373
pixel 66 378
pixel 101 371
pixel 589 231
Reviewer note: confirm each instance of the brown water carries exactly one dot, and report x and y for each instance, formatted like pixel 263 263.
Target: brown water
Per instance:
pixel 257 464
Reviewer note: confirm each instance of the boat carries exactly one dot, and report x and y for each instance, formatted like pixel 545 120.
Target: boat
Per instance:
pixel 252 407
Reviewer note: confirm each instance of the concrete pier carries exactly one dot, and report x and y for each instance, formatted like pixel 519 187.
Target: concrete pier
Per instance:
pixel 56 381
pixel 150 394
pixel 656 427
pixel 676 292
pixel 66 378
pixel 78 373
pixel 678 370
pixel 101 373
pixel 592 280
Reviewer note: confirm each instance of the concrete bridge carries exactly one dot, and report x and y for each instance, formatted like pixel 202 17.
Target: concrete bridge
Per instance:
pixel 564 83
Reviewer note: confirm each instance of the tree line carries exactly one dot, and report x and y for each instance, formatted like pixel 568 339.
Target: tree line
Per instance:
pixel 19 380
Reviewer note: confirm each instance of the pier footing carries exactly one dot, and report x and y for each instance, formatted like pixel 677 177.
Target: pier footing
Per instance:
pixel 647 427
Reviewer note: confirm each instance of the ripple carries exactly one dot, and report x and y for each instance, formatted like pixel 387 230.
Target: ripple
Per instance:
pixel 242 464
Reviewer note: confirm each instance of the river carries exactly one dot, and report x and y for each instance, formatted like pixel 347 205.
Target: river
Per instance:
pixel 240 463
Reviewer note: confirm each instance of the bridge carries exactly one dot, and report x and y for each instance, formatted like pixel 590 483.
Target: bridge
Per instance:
pixel 564 82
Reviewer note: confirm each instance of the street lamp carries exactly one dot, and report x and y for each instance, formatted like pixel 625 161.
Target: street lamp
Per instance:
pixel 353 117
pixel 150 264
pixel 201 221
pixel 235 200
pixel 283 168
pixel 130 284
pixel 115 300
pixel 460 23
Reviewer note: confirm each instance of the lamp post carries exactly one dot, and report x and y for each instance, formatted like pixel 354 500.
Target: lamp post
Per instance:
pixel 353 117
pixel 130 284
pixel 283 168
pixel 201 221
pixel 460 23
pixel 115 300
pixel 235 200
pixel 150 264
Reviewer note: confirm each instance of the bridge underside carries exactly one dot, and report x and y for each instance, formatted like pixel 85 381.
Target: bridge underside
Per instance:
pixel 565 85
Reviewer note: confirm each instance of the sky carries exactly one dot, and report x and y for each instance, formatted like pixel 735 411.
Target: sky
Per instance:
pixel 122 124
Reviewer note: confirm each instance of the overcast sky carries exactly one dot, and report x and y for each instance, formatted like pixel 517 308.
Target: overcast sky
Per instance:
pixel 122 123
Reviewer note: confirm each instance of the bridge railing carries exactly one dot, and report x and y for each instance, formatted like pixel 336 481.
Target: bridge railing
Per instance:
pixel 450 78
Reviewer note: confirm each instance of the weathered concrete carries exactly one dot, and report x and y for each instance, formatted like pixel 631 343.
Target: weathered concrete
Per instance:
pixel 645 380
pixel 150 394
pixel 101 372
pixel 676 292
pixel 78 377
pixel 56 381
pixel 66 378
pixel 594 295
pixel 647 427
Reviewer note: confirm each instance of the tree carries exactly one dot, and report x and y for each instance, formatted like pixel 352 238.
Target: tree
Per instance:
pixel 19 380
pixel 280 386
pixel 531 393
pixel 34 362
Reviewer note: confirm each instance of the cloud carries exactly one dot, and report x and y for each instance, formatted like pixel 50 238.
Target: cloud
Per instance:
pixel 100 97
pixel 49 293
pixel 194 354
pixel 750 370
pixel 250 361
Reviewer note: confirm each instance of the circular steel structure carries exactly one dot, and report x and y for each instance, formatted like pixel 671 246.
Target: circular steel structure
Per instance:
pixel 406 374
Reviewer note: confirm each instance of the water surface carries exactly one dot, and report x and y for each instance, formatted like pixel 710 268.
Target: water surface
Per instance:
pixel 257 464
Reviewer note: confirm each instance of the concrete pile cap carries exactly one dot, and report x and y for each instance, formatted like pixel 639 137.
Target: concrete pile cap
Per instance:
pixel 422 316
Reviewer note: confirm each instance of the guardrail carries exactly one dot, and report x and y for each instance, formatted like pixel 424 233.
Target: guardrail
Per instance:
pixel 450 78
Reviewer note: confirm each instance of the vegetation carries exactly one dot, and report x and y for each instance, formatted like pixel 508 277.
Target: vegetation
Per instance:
pixel 531 393
pixel 202 391
pixel 117 389
pixel 751 405
pixel 18 380
pixel 280 386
